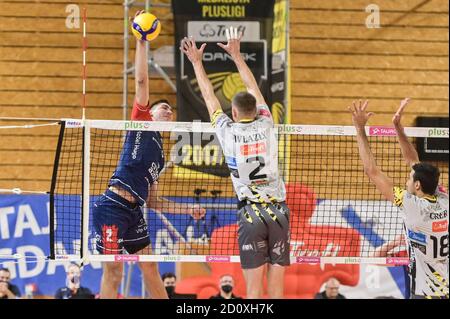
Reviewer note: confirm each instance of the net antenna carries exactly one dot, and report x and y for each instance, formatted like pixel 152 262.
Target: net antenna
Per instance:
pixel 84 75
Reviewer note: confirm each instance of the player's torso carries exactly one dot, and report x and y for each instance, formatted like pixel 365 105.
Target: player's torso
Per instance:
pixel 427 235
pixel 251 152
pixel 141 160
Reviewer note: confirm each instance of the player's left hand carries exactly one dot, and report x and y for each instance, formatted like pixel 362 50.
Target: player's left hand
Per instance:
pixel 233 47
pixel 197 212
pixel 359 114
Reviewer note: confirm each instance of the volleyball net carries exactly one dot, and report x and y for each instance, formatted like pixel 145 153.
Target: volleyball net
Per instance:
pixel 337 215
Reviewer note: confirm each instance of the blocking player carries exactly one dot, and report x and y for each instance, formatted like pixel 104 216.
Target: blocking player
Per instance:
pixel 118 219
pixel 251 151
pixel 424 206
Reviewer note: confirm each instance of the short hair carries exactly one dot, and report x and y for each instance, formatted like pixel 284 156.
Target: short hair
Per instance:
pixel 244 102
pixel 5 269
pixel 428 176
pixel 73 264
pixel 155 103
pixel 168 275
pixel 331 279
pixel 226 275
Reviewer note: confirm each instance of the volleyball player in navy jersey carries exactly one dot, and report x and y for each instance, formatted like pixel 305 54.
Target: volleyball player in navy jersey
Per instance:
pixel 118 219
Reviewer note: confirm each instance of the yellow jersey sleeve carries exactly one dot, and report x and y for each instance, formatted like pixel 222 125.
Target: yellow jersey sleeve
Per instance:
pixel 215 116
pixel 399 193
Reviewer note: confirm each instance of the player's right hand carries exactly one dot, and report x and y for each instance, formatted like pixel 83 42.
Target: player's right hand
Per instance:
pixel 233 47
pixel 360 116
pixel 189 47
pixel 398 116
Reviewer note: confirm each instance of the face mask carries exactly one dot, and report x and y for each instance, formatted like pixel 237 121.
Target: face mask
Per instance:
pixel 227 288
pixel 170 290
pixel 75 281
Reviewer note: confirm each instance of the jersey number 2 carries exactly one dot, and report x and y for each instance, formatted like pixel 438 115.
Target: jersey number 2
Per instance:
pixel 262 163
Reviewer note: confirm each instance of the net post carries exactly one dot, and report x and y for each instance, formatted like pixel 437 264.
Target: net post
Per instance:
pixel 52 190
pixel 85 192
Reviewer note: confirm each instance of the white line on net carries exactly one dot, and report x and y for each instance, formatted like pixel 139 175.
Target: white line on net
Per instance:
pixel 19 191
pixel 28 125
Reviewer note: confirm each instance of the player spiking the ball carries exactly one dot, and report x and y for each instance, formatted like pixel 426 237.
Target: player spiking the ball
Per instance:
pixel 119 223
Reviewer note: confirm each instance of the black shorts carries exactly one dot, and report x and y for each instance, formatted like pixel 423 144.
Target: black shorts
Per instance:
pixel 263 235
pixel 119 225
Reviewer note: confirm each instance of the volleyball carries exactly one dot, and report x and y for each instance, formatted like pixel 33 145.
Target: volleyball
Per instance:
pixel 146 27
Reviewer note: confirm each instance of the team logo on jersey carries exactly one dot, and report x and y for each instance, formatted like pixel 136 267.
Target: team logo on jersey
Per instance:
pixel 231 162
pixel 253 149
pixel 418 237
pixel 421 248
pixel 110 240
pixel 440 226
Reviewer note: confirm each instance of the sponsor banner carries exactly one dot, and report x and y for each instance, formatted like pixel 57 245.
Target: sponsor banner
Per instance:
pixel 125 258
pixel 308 260
pixel 440 226
pixel 207 21
pixel 382 131
pixel 218 259
pixel 397 261
pixel 253 149
pixel 438 132
pixel 418 237
pixel 214 31
pixel 24 230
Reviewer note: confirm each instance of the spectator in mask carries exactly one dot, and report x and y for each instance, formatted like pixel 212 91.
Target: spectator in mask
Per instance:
pixel 170 281
pixel 73 289
pixel 226 285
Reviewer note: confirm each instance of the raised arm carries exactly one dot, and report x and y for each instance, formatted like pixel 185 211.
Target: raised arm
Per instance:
pixel 408 151
pixel 164 205
pixel 233 48
pixel 141 71
pixel 382 182
pixel 195 55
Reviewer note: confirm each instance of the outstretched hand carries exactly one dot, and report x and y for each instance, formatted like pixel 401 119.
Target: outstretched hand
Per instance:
pixel 398 116
pixel 233 47
pixel 359 114
pixel 189 48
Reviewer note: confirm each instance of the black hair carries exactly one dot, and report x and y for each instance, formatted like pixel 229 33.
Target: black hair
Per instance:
pixel 5 269
pixel 428 176
pixel 155 103
pixel 168 275
pixel 245 103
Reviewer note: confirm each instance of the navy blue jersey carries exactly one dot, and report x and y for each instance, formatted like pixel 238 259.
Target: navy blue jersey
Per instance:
pixel 141 162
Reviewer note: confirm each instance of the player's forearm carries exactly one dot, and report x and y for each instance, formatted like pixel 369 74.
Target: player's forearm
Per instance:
pixel 141 73
pixel 165 205
pixel 205 87
pixel 245 73
pixel 408 151
pixel 369 163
